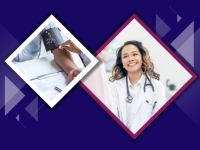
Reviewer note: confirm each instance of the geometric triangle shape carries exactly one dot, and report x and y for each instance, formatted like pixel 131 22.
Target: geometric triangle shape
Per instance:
pixel 161 27
pixel 187 50
pixel 196 40
pixel 178 18
pixel 158 20
pixel 183 37
pixel 17 117
pixel 10 90
pixel 32 108
pixel 5 36
pixel 13 102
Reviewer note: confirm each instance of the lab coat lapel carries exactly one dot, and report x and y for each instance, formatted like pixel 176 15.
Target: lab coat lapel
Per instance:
pixel 144 96
pixel 141 98
pixel 149 94
pixel 121 87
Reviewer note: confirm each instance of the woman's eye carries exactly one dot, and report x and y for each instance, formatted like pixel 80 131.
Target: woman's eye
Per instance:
pixel 134 54
pixel 124 56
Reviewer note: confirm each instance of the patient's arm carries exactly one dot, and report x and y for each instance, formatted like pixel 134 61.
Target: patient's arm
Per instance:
pixel 64 59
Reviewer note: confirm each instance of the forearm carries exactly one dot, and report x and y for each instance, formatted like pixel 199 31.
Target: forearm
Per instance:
pixel 68 66
pixel 64 59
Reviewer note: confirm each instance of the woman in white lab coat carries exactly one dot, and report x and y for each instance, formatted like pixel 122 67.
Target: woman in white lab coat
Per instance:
pixel 134 63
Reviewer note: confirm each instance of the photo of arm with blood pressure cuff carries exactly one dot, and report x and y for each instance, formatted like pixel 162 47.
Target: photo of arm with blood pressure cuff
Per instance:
pixel 52 40
pixel 51 61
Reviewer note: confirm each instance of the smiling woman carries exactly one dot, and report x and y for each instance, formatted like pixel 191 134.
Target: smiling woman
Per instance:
pixel 136 51
pixel 133 72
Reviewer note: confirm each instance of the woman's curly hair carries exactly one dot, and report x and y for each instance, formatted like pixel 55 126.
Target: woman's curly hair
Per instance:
pixel 119 72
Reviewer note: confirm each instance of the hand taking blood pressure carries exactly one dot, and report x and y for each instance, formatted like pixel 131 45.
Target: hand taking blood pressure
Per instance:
pixel 72 47
pixel 64 59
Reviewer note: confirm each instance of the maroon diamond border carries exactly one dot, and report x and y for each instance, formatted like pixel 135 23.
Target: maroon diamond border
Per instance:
pixel 194 76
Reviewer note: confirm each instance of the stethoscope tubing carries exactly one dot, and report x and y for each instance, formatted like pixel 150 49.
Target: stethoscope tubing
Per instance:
pixel 129 97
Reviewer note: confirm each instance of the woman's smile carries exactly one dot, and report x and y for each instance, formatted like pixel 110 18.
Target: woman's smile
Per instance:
pixel 131 64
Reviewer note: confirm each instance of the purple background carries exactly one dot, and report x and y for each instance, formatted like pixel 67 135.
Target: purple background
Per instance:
pixel 77 121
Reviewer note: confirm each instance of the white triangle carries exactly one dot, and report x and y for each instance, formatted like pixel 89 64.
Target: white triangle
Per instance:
pixel 158 20
pixel 187 50
pixel 32 108
pixel 10 90
pixel 178 18
pixel 17 117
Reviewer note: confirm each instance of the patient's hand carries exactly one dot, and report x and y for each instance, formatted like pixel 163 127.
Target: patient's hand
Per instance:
pixel 74 73
pixel 64 59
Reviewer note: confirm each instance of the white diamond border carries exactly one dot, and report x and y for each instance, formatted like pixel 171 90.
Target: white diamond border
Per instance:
pixel 94 61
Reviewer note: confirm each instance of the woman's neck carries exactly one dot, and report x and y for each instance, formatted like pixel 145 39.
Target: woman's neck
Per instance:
pixel 135 77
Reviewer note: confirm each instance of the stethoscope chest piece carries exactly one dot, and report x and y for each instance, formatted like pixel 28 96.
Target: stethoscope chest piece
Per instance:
pixel 129 99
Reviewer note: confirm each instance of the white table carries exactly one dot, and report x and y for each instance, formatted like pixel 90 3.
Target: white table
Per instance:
pixel 44 65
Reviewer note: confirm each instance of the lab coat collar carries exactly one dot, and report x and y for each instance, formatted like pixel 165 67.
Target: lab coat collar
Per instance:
pixel 141 80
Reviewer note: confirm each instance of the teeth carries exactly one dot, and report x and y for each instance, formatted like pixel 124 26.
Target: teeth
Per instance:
pixel 131 64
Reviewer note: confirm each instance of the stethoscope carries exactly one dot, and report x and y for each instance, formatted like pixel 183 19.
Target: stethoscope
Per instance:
pixel 129 98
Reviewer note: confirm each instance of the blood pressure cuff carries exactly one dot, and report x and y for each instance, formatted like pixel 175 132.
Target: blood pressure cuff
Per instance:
pixel 52 39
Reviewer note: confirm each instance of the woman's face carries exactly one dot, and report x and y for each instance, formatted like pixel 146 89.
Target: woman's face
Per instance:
pixel 131 58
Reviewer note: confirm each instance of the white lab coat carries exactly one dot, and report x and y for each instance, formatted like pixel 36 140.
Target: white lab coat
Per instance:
pixel 144 111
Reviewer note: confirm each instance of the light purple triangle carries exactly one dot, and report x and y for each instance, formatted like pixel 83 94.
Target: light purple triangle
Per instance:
pixel 17 117
pixel 158 20
pixel 13 102
pixel 187 50
pixel 10 90
pixel 191 110
pixel 32 108
pixel 161 27
pixel 183 37
pixel 196 40
pixel 178 18
pixel 6 46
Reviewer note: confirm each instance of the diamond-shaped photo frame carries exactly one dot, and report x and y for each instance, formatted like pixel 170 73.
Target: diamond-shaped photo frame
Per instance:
pixel 53 102
pixel 104 103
